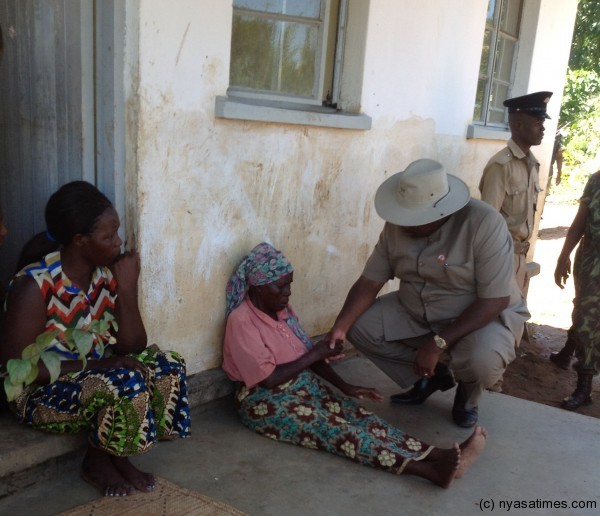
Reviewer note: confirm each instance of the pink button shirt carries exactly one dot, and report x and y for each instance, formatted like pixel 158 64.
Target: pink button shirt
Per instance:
pixel 255 344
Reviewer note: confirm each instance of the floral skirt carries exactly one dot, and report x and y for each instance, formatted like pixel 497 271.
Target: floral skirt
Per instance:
pixel 306 412
pixel 125 411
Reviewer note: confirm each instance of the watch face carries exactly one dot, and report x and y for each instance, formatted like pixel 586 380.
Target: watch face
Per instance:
pixel 439 342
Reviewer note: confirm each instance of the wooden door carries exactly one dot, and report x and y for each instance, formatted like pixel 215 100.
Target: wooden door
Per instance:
pixel 53 129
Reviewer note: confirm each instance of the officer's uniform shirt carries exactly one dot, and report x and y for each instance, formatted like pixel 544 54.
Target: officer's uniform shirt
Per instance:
pixel 510 183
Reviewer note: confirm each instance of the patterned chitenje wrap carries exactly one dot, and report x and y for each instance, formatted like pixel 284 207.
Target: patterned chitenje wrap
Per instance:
pixel 306 412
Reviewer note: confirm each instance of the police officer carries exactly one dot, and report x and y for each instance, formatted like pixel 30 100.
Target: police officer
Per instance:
pixel 510 180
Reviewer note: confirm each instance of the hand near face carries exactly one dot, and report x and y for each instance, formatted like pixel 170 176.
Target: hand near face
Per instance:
pixel 126 270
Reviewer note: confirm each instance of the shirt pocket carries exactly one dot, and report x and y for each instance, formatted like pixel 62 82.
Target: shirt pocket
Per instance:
pixel 517 185
pixel 515 205
pixel 454 275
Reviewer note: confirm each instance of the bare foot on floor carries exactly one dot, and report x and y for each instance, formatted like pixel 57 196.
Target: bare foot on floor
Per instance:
pixel 98 470
pixel 440 466
pixel 471 449
pixel 142 481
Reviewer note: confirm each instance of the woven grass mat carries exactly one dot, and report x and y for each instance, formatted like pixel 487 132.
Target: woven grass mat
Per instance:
pixel 167 499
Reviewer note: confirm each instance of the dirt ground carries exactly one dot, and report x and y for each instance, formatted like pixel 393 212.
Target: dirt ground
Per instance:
pixel 532 376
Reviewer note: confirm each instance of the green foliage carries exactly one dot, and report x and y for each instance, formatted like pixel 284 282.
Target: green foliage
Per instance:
pixel 582 87
pixel 585 48
pixel 583 138
pixel 23 371
pixel 579 120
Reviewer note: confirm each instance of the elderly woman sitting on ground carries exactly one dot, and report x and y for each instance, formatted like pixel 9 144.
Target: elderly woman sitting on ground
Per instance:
pixel 281 396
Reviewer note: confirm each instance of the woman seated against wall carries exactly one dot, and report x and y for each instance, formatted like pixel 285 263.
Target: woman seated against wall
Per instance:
pixel 281 394
pixel 124 394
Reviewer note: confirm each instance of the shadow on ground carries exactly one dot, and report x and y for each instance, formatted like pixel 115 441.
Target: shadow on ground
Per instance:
pixel 533 377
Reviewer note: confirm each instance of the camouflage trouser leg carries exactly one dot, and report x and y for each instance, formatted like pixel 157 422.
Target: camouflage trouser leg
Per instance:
pixel 586 310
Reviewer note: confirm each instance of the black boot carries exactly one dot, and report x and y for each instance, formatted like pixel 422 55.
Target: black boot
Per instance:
pixel 442 380
pixel 562 358
pixel 583 392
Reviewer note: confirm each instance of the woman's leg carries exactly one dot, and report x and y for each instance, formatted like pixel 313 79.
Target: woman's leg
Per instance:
pixel 442 466
pixel 436 464
pixel 303 413
pixel 98 469
pixel 169 395
pixel 114 406
pixel 139 479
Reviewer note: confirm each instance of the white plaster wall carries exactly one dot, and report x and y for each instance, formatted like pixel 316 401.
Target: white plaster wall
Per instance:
pixel 209 189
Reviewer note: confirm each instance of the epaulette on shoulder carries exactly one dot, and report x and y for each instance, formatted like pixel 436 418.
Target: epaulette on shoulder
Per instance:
pixel 503 157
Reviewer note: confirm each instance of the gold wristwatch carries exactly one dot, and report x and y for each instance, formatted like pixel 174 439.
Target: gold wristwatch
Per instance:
pixel 440 343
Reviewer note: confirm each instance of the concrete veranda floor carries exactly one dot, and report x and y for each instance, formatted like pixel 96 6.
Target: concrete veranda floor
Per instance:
pixel 535 454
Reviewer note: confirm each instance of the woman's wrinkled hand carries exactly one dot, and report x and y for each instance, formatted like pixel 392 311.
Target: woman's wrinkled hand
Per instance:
pixel 333 339
pixel 326 351
pixel 356 391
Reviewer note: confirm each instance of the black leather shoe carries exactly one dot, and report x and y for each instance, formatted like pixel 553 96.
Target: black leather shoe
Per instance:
pixel 462 416
pixel 442 380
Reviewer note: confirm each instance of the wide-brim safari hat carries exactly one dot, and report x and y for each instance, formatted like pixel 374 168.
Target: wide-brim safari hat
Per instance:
pixel 421 194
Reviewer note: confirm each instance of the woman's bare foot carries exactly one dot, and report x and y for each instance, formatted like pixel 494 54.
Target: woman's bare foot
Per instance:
pixel 440 466
pixel 471 449
pixel 98 470
pixel 142 481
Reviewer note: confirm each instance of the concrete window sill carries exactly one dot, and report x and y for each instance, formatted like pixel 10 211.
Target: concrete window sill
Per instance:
pixel 487 133
pixel 286 113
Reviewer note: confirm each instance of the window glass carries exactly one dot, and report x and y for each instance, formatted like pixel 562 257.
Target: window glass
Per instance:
pixel 491 11
pixel 485 53
pixel 509 17
pixel 496 67
pixel 496 109
pixel 303 8
pixel 276 56
pixel 479 96
pixel 505 52
pixel 283 49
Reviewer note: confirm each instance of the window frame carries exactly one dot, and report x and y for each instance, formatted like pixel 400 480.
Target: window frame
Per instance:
pixel 496 38
pixel 345 109
pixel 323 24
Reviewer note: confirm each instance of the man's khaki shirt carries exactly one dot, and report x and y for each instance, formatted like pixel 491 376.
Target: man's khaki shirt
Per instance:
pixel 468 258
pixel 510 183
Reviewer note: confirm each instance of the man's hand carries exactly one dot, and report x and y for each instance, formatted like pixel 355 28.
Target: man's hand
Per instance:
pixel 562 271
pixel 335 338
pixel 427 358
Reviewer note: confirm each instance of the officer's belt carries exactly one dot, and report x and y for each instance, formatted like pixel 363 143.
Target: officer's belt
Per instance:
pixel 521 247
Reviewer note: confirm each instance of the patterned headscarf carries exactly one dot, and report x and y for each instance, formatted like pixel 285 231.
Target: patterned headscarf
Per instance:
pixel 263 265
